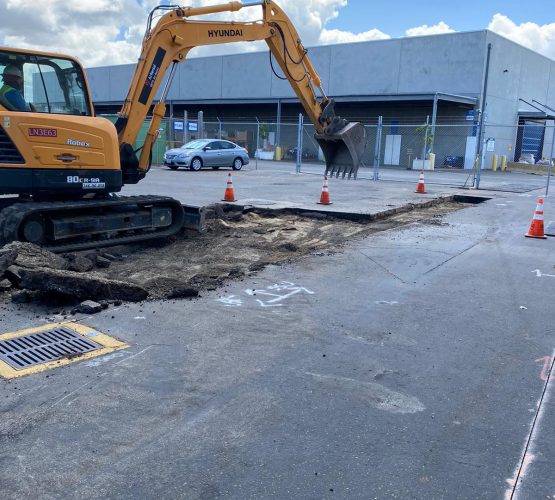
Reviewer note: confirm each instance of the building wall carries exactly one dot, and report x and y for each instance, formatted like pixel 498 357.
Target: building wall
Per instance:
pixel 515 73
pixel 450 63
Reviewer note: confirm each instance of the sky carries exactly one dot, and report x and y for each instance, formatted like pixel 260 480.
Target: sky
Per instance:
pixel 106 32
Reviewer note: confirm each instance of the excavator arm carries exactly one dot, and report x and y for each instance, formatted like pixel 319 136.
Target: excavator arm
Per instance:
pixel 169 43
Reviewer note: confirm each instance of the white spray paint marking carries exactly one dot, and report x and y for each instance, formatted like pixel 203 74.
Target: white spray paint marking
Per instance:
pixel 524 308
pixel 270 291
pixel 139 317
pixel 528 452
pixel 501 204
pixel 231 301
pixel 377 395
pixel 273 295
pixel 104 359
pixel 539 274
pixel 386 302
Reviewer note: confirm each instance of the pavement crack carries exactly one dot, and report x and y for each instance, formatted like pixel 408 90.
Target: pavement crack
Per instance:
pixel 452 257
pixel 383 268
pixel 527 456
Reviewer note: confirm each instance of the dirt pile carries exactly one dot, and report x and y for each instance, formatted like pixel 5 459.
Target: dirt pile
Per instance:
pixel 236 243
pixel 27 267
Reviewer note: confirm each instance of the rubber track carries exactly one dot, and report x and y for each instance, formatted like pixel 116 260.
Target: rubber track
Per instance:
pixel 12 216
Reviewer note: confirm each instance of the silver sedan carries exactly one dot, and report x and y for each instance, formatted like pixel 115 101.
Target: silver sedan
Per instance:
pixel 207 153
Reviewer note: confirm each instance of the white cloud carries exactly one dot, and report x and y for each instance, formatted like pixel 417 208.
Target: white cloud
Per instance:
pixel 338 36
pixel 540 38
pixel 424 30
pixel 103 32
pixel 96 31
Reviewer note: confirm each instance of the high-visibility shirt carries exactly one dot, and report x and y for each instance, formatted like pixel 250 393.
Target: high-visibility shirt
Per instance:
pixel 11 99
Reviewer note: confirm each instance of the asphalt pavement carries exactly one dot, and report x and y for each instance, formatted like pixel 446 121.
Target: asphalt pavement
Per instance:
pixel 415 363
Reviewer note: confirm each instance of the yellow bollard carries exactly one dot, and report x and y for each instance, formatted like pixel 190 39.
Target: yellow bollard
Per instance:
pixel 494 162
pixel 278 154
pixel 503 163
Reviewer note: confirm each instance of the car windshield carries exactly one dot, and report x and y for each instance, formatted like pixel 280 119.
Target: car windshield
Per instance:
pixel 199 144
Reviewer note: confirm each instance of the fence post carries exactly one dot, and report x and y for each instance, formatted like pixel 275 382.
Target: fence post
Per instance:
pixel 378 150
pixel 219 128
pixel 299 143
pixel 550 161
pixel 185 127
pixel 481 143
pixel 257 141
pixel 425 149
pixel 200 126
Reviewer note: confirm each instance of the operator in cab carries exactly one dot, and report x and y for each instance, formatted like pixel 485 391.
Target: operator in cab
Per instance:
pixel 11 93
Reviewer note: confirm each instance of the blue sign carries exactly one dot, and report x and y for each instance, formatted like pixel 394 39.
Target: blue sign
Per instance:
pixel 178 125
pixel 470 116
pixel 193 127
pixel 395 127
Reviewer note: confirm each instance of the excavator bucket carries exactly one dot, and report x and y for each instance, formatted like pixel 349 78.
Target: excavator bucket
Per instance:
pixel 343 150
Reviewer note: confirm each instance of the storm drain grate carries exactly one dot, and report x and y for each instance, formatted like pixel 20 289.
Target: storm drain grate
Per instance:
pixel 43 347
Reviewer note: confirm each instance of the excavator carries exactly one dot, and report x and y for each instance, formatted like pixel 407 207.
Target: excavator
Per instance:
pixel 61 166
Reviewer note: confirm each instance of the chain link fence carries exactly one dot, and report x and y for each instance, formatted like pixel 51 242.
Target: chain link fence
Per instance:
pixel 390 147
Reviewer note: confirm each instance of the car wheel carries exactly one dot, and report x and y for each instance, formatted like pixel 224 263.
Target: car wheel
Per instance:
pixel 196 164
pixel 173 167
pixel 237 164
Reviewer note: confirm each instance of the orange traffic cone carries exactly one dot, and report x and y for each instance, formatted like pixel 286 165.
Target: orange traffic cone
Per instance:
pixel 536 228
pixel 420 188
pixel 325 196
pixel 229 193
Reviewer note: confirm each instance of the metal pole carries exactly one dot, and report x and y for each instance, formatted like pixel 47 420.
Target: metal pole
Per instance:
pixel 219 128
pixel 434 120
pixel 257 141
pixel 425 148
pixel 185 127
pixel 550 161
pixel 200 125
pixel 278 127
pixel 378 150
pixel 483 118
pixel 299 144
pixel 172 129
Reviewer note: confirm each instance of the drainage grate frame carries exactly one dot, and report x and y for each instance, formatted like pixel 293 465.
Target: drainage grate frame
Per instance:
pixel 45 346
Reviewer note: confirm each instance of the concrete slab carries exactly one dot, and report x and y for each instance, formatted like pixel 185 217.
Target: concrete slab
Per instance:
pixel 275 185
pixel 269 189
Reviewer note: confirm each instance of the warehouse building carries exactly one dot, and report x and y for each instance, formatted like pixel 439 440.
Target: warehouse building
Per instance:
pixel 439 78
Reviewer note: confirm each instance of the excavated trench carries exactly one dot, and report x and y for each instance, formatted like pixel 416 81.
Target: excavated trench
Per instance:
pixel 237 242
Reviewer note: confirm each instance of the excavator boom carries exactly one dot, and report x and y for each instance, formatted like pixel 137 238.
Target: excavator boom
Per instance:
pixel 169 43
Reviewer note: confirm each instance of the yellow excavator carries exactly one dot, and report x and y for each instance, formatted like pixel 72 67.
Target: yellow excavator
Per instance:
pixel 64 165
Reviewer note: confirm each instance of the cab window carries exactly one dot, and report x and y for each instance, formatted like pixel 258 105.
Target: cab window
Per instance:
pixel 45 84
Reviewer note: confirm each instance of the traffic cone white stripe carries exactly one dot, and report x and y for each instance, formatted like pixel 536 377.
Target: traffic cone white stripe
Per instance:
pixel 325 196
